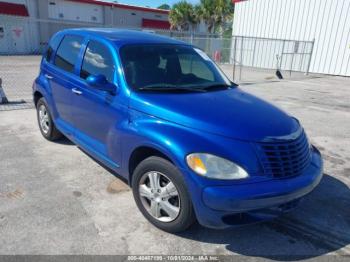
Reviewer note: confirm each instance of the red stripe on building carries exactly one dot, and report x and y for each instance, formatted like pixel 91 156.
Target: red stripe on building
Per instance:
pixel 123 6
pixel 13 9
pixel 156 24
pixel 237 1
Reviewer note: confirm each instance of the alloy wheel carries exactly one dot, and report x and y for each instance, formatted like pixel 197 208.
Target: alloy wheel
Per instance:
pixel 44 119
pixel 159 196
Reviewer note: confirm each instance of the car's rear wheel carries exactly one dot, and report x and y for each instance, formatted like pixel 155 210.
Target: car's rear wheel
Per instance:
pixel 161 195
pixel 46 125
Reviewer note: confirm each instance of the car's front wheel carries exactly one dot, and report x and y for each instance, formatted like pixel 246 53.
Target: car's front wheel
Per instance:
pixel 161 195
pixel 46 125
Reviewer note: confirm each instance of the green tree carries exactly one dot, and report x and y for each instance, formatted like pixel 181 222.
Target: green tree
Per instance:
pixel 215 13
pixel 164 6
pixel 183 16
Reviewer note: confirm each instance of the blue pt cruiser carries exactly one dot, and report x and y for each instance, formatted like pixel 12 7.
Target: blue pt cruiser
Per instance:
pixel 161 114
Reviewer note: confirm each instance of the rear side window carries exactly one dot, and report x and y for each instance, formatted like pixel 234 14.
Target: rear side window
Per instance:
pixel 68 52
pixel 98 60
pixel 54 42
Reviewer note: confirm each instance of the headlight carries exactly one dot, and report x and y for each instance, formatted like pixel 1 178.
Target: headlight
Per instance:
pixel 215 167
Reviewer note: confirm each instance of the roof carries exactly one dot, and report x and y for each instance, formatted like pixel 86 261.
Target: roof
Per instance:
pixel 7 8
pixel 123 6
pixel 122 36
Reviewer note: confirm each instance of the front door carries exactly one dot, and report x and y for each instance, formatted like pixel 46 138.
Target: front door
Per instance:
pixel 97 113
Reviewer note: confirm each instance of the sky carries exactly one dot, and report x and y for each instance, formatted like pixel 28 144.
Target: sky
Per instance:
pixel 151 3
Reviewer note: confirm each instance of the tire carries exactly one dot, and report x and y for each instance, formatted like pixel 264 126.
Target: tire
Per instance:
pixel 46 125
pixel 166 199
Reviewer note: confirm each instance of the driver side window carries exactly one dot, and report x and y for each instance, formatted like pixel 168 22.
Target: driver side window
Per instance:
pixel 97 61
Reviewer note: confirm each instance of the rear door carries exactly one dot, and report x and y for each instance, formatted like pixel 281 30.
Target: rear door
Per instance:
pixel 62 74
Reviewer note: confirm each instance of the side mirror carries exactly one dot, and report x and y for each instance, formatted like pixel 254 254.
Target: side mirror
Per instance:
pixel 100 82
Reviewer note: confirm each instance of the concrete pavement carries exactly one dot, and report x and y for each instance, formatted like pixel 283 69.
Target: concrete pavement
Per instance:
pixel 54 199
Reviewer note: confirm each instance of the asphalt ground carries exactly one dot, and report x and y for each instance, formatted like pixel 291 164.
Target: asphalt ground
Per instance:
pixel 54 199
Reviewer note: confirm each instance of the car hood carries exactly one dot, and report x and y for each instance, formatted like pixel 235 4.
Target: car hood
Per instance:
pixel 231 113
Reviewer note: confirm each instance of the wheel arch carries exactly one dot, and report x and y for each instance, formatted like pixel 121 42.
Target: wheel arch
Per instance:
pixel 141 153
pixel 36 96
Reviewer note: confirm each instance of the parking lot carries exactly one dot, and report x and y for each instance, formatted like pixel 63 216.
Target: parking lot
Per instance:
pixel 54 199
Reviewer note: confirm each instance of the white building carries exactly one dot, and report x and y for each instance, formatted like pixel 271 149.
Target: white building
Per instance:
pixel 326 22
pixel 27 25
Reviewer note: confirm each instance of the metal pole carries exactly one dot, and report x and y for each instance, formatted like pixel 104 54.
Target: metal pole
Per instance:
pixel 191 35
pixel 309 63
pixel 291 65
pixel 253 58
pixel 292 60
pixel 284 42
pixel 234 58
pixel 241 59
pixel 302 57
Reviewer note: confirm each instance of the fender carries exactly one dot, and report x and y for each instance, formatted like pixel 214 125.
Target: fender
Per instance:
pixel 176 142
pixel 42 86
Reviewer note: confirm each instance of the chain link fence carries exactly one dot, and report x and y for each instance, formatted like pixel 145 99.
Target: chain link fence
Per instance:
pixel 259 59
pixel 244 59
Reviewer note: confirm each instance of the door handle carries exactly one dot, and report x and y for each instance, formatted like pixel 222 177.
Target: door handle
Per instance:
pixel 76 91
pixel 48 76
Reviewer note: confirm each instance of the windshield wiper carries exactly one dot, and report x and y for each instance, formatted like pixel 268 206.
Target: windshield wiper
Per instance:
pixel 216 86
pixel 169 88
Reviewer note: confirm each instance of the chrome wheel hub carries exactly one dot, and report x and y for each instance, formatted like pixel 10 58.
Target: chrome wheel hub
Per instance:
pixel 44 119
pixel 159 196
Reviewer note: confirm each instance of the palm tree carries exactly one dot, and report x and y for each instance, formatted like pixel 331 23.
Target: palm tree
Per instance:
pixel 164 6
pixel 215 13
pixel 182 16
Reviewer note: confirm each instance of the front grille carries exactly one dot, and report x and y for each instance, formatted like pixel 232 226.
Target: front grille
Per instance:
pixel 282 158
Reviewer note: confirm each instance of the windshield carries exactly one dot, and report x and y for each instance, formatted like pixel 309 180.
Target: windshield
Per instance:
pixel 168 67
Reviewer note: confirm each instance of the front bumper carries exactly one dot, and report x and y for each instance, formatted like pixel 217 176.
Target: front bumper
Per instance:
pixel 224 206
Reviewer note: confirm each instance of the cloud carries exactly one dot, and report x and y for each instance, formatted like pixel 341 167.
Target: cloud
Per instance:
pixel 76 45
pixel 95 59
